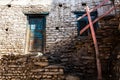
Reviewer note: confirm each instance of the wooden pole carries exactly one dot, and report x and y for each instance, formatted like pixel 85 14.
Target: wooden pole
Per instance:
pixel 93 9
pixel 27 40
pixel 95 44
pixel 86 27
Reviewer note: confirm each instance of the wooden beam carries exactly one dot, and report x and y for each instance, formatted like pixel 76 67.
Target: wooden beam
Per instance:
pixel 27 40
pixel 95 44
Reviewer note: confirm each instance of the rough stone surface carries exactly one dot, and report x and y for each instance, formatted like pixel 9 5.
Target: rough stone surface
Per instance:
pixel 29 67
pixel 78 55
pixel 12 30
pixel 74 59
pixel 58 23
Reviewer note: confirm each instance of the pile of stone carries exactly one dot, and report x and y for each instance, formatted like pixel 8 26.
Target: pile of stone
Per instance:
pixel 29 67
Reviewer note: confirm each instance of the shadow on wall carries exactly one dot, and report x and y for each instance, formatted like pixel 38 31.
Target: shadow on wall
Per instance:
pixel 78 56
pixel 70 57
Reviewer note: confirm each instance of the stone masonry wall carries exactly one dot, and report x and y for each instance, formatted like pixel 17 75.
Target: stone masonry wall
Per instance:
pixel 14 25
pixel 12 30
pixel 29 67
pixel 59 25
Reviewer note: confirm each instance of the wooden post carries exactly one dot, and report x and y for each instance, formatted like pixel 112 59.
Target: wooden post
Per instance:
pixel 95 44
pixel 96 7
pixel 87 26
pixel 27 40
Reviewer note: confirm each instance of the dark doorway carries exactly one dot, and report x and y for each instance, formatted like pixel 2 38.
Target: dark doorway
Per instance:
pixel 37 24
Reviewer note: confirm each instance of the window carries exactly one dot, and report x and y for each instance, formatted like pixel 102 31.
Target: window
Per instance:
pixel 37 24
pixel 84 21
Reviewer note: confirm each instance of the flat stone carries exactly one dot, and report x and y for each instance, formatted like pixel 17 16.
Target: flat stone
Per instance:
pixel 42 64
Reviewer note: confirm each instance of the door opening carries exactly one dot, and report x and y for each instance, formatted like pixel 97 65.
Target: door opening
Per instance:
pixel 37 24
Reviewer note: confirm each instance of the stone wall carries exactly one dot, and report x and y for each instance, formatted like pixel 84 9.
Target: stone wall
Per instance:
pixel 73 60
pixel 14 24
pixel 29 67
pixel 59 25
pixel 12 30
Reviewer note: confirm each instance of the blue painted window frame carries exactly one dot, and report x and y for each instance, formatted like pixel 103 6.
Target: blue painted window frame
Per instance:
pixel 84 21
pixel 39 16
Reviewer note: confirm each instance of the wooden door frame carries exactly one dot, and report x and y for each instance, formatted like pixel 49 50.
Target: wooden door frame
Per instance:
pixel 43 15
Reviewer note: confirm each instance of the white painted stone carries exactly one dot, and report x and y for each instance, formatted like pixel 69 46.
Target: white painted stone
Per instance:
pixel 13 18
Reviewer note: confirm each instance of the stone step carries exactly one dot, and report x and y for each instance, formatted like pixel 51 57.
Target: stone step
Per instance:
pixel 41 64
pixel 88 57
